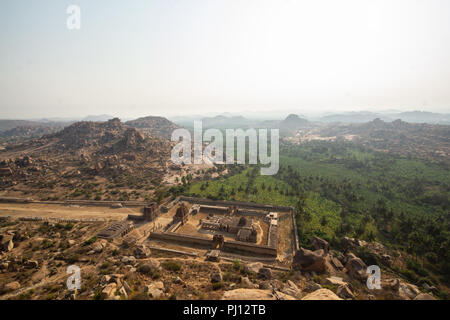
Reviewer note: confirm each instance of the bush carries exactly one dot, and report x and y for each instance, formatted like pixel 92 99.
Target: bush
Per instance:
pixel 217 285
pixel 90 241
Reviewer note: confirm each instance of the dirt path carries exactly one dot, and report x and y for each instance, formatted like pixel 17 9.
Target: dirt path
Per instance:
pixel 60 211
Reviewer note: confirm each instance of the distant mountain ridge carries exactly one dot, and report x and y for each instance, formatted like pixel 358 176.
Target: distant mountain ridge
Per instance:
pixel 408 116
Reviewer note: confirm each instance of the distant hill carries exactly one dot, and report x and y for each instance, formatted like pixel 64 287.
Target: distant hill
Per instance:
pixel 20 130
pixel 10 124
pixel 101 117
pixel 410 116
pixel 154 126
pixel 424 117
pixel 227 122
pixel 291 124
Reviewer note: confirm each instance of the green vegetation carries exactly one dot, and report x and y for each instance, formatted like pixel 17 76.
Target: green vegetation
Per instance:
pixel 342 189
pixel 171 266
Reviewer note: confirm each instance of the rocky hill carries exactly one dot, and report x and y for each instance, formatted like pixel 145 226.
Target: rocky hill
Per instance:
pixel 21 133
pixel 101 160
pixel 34 256
pixel 422 140
pixel 154 126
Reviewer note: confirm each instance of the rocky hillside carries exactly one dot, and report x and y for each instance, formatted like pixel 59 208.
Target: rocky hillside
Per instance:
pixel 292 123
pixel 34 256
pixel 422 140
pixel 15 131
pixel 101 160
pixel 154 126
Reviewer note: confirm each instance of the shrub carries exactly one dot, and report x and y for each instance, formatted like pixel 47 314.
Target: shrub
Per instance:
pixel 217 285
pixel 171 266
pixel 90 241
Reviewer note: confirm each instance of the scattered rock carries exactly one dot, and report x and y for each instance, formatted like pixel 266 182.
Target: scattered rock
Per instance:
pixel 128 259
pixel 31 264
pixel 356 268
pixel 265 285
pixel 336 263
pixel 149 266
pixel 312 286
pixel 178 280
pixel 109 291
pixel 408 291
pixel 265 273
pixel 319 243
pixel 155 289
pixel 335 281
pixel 344 292
pixel 253 294
pixel 12 286
pixel 424 296
pixel 291 289
pixel 97 247
pixel 216 277
pixel 123 292
pixel 126 287
pixel 142 252
pixel 321 294
pixel 213 255
pixel 155 293
pixel 253 267
pixel 386 260
pixel 247 283
pixel 308 260
pixel 7 244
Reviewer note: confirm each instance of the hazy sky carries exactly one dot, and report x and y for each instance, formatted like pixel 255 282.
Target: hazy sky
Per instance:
pixel 169 57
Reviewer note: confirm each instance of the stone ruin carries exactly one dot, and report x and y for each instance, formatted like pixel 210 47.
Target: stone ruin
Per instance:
pixel 150 213
pixel 182 214
pixel 116 229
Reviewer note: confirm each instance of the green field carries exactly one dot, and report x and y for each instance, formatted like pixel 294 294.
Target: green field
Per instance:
pixel 340 189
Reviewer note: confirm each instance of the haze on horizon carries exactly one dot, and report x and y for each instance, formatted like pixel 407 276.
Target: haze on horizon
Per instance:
pixel 175 57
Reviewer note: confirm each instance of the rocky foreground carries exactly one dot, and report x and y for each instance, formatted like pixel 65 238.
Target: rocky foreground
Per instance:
pixel 35 257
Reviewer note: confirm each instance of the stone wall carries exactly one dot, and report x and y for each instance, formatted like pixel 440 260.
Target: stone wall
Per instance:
pixel 235 246
pixel 250 205
pixel 229 245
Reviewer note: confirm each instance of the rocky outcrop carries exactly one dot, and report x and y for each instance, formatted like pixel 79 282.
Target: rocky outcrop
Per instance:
pixel 142 252
pixel 216 277
pixel 356 268
pixel 6 242
pixel 319 243
pixel 291 289
pixel 265 273
pixel 344 292
pixel 408 291
pixel 308 260
pixel 151 265
pixel 253 267
pixel 255 294
pixel 424 296
pixel 321 294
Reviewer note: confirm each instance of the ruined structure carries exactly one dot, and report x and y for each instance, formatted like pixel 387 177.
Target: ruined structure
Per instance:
pixel 233 217
pixel 242 227
pixel 150 213
pixel 116 229
pixel 181 215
